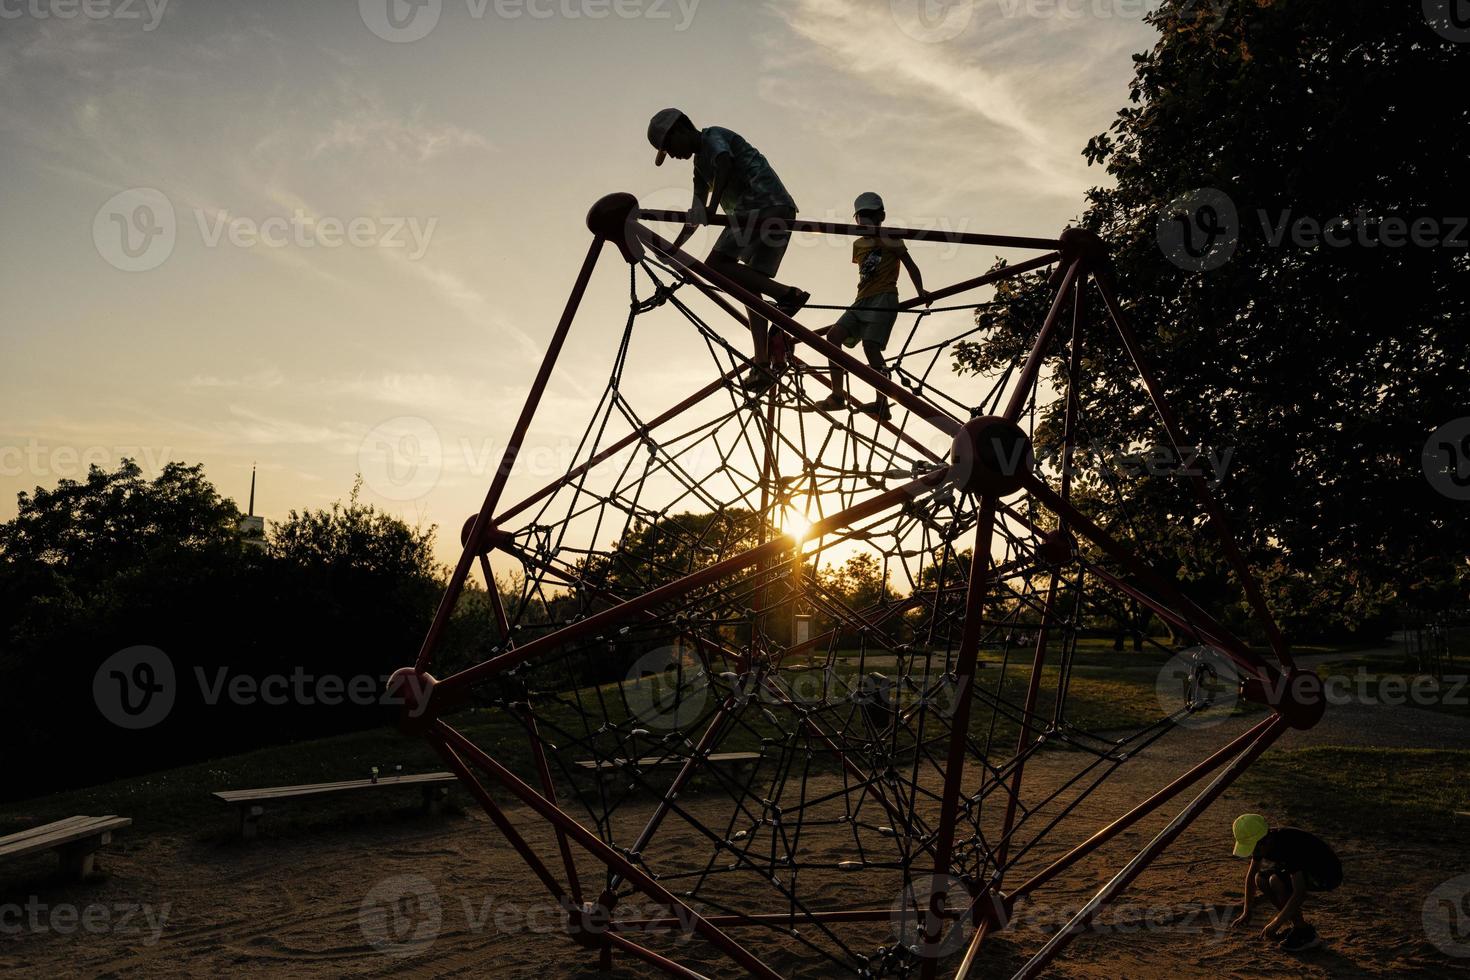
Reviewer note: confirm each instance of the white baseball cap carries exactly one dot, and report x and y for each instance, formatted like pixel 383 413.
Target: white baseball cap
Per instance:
pixel 867 201
pixel 659 127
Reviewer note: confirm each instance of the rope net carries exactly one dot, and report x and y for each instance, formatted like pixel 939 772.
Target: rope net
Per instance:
pixel 732 639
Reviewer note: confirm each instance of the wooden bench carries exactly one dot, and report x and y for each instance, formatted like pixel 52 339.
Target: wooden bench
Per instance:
pixel 75 841
pixel 252 802
pixel 741 762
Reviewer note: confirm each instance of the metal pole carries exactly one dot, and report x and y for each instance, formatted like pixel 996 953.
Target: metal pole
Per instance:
pixel 1145 857
pixel 1207 499
pixel 518 435
pixel 959 724
pixel 862 231
pixel 609 856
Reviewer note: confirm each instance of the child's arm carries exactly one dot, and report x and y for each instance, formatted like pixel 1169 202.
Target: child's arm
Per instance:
pixel 706 199
pixel 1250 894
pixel 914 274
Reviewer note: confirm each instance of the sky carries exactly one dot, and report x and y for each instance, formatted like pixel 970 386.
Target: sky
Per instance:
pixel 333 238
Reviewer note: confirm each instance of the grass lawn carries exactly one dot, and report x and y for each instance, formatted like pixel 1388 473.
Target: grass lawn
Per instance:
pixel 1370 793
pixel 1109 691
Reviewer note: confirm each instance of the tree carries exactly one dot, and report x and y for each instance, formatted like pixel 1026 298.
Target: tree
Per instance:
pixel 1321 367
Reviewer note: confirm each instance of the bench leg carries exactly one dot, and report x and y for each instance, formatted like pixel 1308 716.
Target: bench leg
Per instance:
pixel 434 798
pixel 79 860
pixel 250 821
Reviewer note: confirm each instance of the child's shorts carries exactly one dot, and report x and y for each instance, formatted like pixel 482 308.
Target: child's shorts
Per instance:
pixel 748 239
pixel 870 319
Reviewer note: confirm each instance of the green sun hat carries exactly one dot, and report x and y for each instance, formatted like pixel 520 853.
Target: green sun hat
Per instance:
pixel 1248 828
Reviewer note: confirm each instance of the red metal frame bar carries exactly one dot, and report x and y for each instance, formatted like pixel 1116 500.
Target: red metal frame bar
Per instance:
pixel 1143 809
pixel 512 449
pixel 594 845
pixel 959 723
pixel 861 231
pixel 1125 877
pixel 1207 499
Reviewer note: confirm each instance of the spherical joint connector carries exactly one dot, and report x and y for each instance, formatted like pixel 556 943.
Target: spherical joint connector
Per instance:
pixel 411 690
pixel 488 540
pixel 991 456
pixel 1088 246
pixel 1057 547
pixel 589 924
pixel 615 219
pixel 1298 696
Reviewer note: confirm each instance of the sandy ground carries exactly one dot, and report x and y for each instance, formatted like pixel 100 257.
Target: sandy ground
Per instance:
pixel 304 900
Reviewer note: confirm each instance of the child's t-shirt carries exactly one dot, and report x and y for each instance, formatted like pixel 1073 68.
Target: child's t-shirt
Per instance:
pixel 877 264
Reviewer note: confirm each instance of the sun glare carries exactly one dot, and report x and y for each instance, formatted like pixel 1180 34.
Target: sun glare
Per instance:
pixel 797 525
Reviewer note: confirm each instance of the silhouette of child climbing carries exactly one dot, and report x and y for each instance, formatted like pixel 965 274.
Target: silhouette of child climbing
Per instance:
pixel 871 317
pixel 730 173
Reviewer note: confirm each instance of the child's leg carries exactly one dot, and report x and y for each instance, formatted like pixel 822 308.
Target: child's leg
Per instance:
pixel 752 279
pixel 873 351
pixel 1270 885
pixel 837 334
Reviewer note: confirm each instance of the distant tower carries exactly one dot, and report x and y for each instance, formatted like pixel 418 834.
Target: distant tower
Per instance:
pixel 252 528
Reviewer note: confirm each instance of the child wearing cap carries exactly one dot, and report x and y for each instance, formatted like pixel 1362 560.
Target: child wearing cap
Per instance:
pixel 871 317
pixel 1286 864
pixel 730 173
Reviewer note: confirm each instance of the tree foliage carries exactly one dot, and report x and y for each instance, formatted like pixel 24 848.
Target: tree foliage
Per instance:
pixel 1322 368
